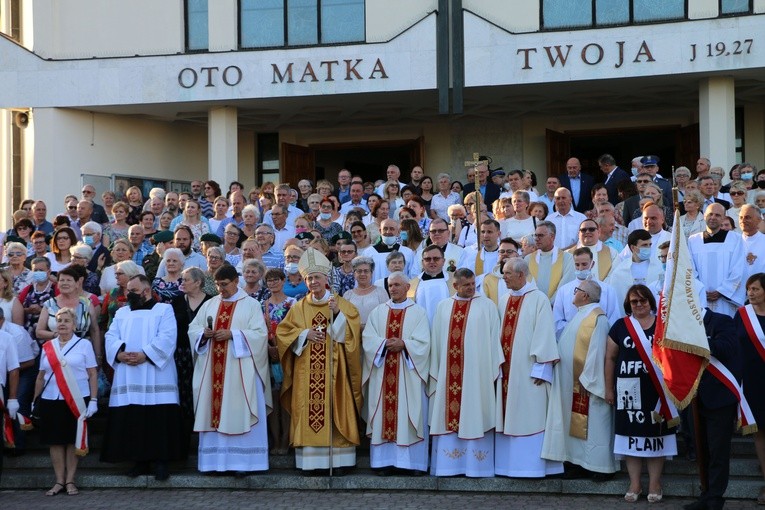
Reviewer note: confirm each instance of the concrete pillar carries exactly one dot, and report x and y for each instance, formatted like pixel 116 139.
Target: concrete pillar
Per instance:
pixel 222 27
pixel 717 120
pixel 222 140
pixel 6 168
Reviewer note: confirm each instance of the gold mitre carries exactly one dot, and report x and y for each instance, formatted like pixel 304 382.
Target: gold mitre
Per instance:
pixel 314 261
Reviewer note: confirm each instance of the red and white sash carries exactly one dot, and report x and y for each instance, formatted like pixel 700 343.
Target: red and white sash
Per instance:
pixel 721 373
pixel 664 407
pixel 753 329
pixel 67 385
pixel 7 438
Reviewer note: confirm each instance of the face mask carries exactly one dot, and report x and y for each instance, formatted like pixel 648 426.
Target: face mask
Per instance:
pixel 762 210
pixel 583 274
pixel 644 254
pixel 300 230
pixel 134 299
pixel 760 184
pixel 88 240
pixel 747 176
pixel 325 216
pixel 291 267
pixel 634 172
pixel 39 276
pixel 663 266
pixel 389 240
pixel 506 186
pixel 404 236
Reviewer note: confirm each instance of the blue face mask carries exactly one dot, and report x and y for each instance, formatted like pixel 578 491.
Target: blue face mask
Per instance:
pixel 634 172
pixel 389 240
pixel 325 216
pixel 644 254
pixel 39 276
pixel 404 236
pixel 748 176
pixel 663 266
pixel 583 274
pixel 88 240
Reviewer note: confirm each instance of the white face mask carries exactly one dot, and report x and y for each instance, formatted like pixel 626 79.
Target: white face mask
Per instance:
pixel 583 274
pixel 389 240
pixel 325 216
pixel 291 267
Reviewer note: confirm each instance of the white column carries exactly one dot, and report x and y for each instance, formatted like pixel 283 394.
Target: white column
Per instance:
pixel 222 140
pixel 6 168
pixel 717 120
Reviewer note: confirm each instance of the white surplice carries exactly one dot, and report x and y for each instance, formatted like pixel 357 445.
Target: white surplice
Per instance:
pixel 721 267
pixel 410 449
pixel 564 309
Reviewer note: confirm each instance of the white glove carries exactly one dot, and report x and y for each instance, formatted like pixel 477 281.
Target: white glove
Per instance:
pixel 13 407
pixel 92 408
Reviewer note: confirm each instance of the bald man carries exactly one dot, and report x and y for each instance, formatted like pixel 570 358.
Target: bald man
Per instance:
pixel 566 220
pixel 579 184
pixel 718 256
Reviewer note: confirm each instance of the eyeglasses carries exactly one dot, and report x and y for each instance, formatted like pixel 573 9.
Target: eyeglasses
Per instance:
pixel 72 207
pixel 438 230
pixel 737 193
pixel 643 181
pixel 213 257
pixel 260 233
pixel 638 302
pixel 362 271
pixel 347 252
pixel 16 254
pixel 503 252
pixel 232 233
pixel 63 238
pixel 432 259
pixel 587 229
pixel 577 289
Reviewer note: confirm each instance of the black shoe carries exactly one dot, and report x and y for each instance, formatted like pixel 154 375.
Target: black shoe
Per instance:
pixel 602 477
pixel 240 474
pixel 386 471
pixel 341 471
pixel 140 468
pixel 696 505
pixel 161 473
pixel 575 473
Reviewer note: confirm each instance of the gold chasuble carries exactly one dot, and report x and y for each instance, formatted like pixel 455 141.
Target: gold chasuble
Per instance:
pixel 307 382
pixel 580 404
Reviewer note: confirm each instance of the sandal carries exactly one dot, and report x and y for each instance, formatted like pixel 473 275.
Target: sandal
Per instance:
pixel 71 489
pixel 655 497
pixel 55 491
pixel 632 497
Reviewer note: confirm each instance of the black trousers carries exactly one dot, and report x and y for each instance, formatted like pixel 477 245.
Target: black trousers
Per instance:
pixel 718 425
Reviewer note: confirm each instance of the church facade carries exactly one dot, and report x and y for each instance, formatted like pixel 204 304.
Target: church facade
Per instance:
pixel 161 93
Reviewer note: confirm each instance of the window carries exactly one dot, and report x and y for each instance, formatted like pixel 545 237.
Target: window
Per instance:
pixel 562 14
pixel 197 37
pixel 735 6
pixel 274 23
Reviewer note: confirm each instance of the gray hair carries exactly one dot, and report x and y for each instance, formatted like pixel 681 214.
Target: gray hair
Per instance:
pixel 361 261
pixel 265 225
pixel 398 275
pixel 254 263
pixel 83 250
pixel 128 267
pixel 549 225
pixel 216 250
pixel 95 227
pixel 694 196
pixel 518 265
pixel 251 208
pixel 444 175
pixel 523 195
pixel 175 251
pixel 682 170
pixel 528 240
pixel 592 288
pixel 16 246
pixel 195 274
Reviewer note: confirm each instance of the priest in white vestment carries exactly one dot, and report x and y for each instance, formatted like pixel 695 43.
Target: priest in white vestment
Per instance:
pixel 438 233
pixel 396 343
pixel 492 285
pixel 749 219
pixel 640 268
pixel 144 410
pixel 719 259
pixel 465 356
pixel 587 426
pixel 529 355
pixel 434 284
pixel 604 257
pixel 231 405
pixel 482 260
pixel 584 269
pixel 389 230
pixel 549 267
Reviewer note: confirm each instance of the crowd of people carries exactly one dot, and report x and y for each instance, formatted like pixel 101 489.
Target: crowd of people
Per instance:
pixel 497 329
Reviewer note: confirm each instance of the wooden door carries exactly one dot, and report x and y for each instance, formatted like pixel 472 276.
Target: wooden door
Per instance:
pixel 417 153
pixel 687 147
pixel 297 162
pixel 558 147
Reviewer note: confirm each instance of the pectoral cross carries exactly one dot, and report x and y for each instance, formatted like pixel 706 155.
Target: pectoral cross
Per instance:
pixel 478 198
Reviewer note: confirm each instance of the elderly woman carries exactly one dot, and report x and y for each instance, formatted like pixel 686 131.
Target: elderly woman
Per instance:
pixel 599 195
pixel 342 275
pixel 60 254
pixel 58 414
pixel 252 274
pixel 693 220
pixel 167 287
pixel 738 194
pixel 629 345
pixel 117 297
pixel 539 210
pixel 232 237
pixel 250 217
pixel 17 255
pixel 216 258
pixel 23 228
pixel 81 255
pixel 117 229
pixel 324 188
pixel 522 223
pixel 148 221
pixel 366 296
pixel 682 177
pixel 294 287
pixel 121 250
pixel 326 222
pixel 8 302
pixel 275 309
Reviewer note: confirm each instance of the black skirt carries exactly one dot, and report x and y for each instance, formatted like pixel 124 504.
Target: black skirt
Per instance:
pixel 58 424
pixel 144 434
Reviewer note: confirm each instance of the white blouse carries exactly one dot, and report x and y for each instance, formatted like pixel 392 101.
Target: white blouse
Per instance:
pixel 79 358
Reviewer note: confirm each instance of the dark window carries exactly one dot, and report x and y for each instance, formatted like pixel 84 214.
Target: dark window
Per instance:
pixel 197 37
pixel 274 23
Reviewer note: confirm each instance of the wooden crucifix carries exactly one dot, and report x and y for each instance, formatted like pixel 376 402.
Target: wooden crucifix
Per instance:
pixel 476 162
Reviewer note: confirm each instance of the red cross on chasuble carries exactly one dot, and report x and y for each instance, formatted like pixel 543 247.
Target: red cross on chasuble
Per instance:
pixel 390 377
pixel 219 353
pixel 455 363
pixel 509 324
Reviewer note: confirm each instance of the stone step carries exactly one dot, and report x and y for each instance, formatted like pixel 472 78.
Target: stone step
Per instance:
pixel 674 485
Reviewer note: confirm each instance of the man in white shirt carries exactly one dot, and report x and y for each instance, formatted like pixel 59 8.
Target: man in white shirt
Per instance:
pixel 565 219
pixel 357 200
pixel 749 219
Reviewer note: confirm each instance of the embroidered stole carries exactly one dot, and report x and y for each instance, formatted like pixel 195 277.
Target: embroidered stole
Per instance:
pixel 491 287
pixel 415 282
pixel 753 329
pixel 219 349
pixel 509 324
pixel 455 363
pixel 478 262
pixel 556 272
pixel 580 404
pixel 317 384
pixel 390 377
pixel 67 384
pixel 665 409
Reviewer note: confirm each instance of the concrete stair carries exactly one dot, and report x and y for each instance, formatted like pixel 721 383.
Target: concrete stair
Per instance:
pixel 33 471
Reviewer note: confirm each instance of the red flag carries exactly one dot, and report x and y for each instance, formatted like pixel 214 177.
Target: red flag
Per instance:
pixel 680 344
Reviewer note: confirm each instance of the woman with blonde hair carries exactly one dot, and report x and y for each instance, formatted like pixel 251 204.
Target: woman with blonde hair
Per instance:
pixel 391 194
pixel 17 255
pixel 692 221
pixel 8 302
